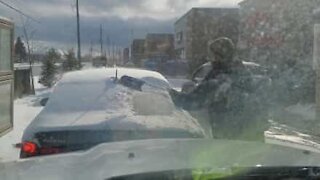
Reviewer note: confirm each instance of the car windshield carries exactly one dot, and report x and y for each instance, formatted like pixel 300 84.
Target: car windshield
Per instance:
pixel 177 87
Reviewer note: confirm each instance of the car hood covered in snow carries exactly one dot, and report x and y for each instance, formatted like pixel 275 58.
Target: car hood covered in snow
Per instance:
pixel 146 156
pixel 91 100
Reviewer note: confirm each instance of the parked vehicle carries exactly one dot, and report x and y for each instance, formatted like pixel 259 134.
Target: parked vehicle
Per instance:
pixel 90 107
pixel 99 61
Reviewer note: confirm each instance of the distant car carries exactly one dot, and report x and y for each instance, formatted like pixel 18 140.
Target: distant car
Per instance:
pixel 91 107
pixel 150 64
pixel 99 62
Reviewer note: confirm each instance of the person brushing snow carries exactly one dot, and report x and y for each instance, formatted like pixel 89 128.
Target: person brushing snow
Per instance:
pixel 225 93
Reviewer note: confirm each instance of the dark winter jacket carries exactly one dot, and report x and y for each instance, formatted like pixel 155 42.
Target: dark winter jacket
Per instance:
pixel 229 95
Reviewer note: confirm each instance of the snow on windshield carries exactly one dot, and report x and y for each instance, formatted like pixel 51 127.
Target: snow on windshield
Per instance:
pixel 245 70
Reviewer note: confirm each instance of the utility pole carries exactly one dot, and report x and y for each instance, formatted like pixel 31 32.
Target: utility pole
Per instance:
pixel 108 46
pixel 105 50
pixel 113 61
pixel 102 54
pixel 78 33
pixel 101 41
pixel 131 45
pixel 91 50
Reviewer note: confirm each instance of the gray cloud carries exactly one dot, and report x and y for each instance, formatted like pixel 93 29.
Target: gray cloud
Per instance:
pixel 118 30
pixel 105 5
pixel 118 17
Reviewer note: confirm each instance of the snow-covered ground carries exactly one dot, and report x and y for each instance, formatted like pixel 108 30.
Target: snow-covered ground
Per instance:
pixel 298 141
pixel 295 126
pixel 25 109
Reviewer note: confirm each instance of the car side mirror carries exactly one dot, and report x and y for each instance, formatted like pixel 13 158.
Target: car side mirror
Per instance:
pixel 189 86
pixel 44 101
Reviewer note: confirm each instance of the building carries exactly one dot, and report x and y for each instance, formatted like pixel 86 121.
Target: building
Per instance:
pixel 277 32
pixel 6 75
pixel 159 46
pixel 126 58
pixel 137 51
pixel 155 47
pixel 198 26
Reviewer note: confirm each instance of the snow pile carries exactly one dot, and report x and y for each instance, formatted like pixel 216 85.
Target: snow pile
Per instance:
pixel 302 142
pixel 94 75
pixel 161 104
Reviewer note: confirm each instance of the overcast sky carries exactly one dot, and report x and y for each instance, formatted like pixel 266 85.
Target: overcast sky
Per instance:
pixel 119 18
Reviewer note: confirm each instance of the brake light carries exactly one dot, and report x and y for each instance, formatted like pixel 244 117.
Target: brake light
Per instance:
pixel 29 148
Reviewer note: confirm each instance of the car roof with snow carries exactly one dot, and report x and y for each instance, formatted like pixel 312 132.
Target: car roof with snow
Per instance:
pixel 91 100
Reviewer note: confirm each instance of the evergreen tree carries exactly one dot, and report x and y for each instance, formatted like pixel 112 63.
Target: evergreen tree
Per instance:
pixel 20 51
pixel 70 63
pixel 49 69
pixel 54 55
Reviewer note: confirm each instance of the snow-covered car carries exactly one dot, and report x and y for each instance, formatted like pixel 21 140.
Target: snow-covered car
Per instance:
pixel 91 107
pixel 172 159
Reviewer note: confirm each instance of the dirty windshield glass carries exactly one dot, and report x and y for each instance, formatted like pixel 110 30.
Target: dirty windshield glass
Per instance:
pixel 177 89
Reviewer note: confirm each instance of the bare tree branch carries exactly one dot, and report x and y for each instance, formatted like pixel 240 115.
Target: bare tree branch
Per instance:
pixel 27 35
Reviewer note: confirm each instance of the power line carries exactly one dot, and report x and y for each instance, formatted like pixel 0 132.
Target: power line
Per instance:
pixel 19 11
